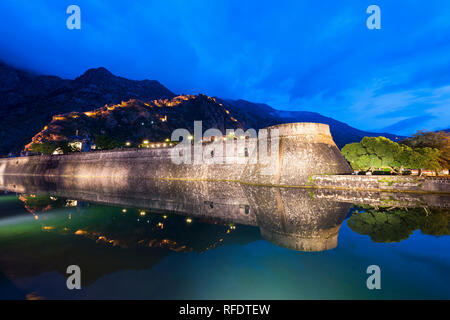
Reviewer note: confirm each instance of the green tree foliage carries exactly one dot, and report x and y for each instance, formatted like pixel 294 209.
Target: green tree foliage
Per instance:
pixel 380 152
pixel 104 142
pixel 44 148
pixel 436 140
pixel 50 147
pixel 384 225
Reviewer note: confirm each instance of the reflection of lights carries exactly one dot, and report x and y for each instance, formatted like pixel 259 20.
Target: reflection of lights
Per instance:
pixel 188 220
pixel 36 217
pixel 142 213
pixel 48 227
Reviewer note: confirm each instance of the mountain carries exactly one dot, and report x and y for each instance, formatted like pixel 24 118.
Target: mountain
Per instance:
pixel 28 101
pixel 136 120
pixel 259 115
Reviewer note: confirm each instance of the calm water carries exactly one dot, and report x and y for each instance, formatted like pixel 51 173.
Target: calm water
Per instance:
pixel 208 242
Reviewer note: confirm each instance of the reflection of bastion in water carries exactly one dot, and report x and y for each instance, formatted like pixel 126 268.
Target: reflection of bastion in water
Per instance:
pixel 293 219
pixel 287 217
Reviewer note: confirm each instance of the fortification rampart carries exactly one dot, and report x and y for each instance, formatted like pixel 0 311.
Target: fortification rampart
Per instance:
pixel 294 151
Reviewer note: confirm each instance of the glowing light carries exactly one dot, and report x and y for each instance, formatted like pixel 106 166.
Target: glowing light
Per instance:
pixel 145 142
pixel 190 137
pixel 142 213
pixel 128 144
pixel 167 140
pixel 124 210
pixel 164 216
pixel 188 220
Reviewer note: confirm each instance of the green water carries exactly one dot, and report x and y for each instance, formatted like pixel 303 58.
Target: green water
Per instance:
pixel 131 252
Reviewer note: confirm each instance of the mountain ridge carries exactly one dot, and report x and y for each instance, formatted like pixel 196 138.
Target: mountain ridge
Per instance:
pixel 29 102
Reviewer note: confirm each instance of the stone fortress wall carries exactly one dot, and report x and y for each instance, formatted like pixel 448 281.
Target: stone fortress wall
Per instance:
pixel 306 157
pixel 304 149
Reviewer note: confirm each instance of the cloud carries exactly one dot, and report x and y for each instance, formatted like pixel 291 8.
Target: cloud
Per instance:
pixel 295 55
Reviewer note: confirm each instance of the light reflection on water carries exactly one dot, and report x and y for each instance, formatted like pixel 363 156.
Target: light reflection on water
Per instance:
pixel 179 240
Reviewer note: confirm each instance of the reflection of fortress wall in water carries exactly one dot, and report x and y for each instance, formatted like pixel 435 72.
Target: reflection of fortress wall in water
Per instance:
pixel 291 217
pixel 304 149
pixel 223 201
pixel 295 220
pixel 315 222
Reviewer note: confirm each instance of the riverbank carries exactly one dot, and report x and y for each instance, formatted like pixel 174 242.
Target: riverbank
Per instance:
pixel 413 184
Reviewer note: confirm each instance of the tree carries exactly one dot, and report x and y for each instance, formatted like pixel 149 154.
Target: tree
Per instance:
pixel 380 152
pixel 44 147
pixel 50 147
pixel 437 140
pixel 104 142
pixel 372 153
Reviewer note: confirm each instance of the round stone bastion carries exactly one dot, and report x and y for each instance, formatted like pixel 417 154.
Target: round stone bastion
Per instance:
pixel 289 154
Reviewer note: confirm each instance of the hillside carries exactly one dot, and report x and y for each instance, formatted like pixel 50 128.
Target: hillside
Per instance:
pixel 29 101
pixel 136 120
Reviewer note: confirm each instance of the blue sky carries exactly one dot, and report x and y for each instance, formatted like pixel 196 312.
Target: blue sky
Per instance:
pixel 293 55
